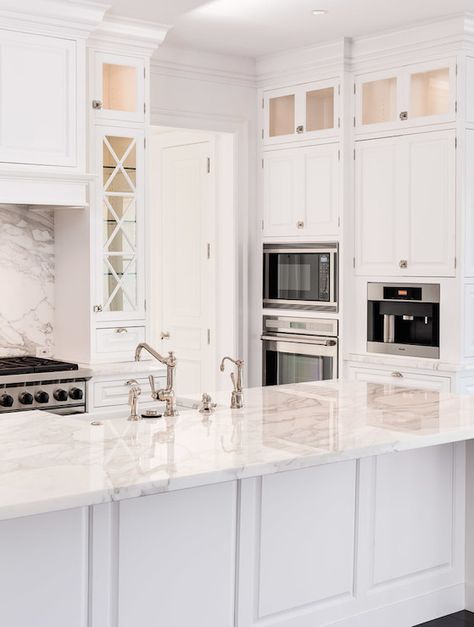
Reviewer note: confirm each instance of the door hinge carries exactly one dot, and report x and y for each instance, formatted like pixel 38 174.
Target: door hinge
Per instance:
pixel 339 221
pixel 338 90
pixel 144 142
pixel 353 262
pixel 144 304
pixel 209 165
pixel 144 72
pixel 263 103
pixel 354 154
pixel 263 134
pixel 263 224
pixel 455 262
pixel 263 163
pixel 209 336
pixel 144 107
pixel 455 142
pixel 338 122
pixel 456 106
pixel 354 121
pixel 354 88
pixel 456 69
pixel 208 251
pixel 338 155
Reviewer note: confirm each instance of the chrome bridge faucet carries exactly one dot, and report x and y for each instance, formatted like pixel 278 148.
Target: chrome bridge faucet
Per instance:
pixel 166 394
pixel 237 398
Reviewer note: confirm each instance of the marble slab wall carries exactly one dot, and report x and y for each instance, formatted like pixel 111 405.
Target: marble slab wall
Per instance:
pixel 26 281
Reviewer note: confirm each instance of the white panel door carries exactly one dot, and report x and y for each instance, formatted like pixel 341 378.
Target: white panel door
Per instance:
pixel 321 172
pixel 177 558
pixel 37 99
pixel 188 277
pixel 377 206
pixel 44 570
pixel 431 202
pixel 283 196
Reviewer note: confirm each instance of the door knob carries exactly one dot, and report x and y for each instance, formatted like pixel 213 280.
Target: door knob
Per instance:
pixel 165 335
pixel 403 263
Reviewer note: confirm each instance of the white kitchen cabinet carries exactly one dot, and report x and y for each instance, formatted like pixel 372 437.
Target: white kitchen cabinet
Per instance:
pixel 38 99
pixel 301 191
pixel 405 205
pixel 397 376
pixel 413 95
pixel 301 112
pixel 118 88
pixel 120 286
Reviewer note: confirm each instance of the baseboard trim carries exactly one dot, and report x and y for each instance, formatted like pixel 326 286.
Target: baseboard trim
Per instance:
pixel 469 596
pixel 410 612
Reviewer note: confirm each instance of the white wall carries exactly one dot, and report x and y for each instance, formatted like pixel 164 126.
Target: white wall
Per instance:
pixel 191 89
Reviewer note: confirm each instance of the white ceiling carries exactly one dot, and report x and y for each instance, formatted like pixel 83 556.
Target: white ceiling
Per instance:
pixel 256 27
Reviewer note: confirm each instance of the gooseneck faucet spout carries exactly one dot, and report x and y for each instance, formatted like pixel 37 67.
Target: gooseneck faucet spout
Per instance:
pixel 166 394
pixel 237 398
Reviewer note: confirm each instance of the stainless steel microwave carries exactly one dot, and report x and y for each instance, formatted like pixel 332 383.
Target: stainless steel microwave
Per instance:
pixel 302 276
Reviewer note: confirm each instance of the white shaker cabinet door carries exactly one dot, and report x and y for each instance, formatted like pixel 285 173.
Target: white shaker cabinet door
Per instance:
pixel 38 113
pixel 431 204
pixel 321 183
pixel 377 206
pixel 282 192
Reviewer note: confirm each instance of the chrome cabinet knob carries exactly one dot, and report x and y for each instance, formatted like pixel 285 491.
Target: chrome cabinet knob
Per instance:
pixel 165 335
pixel 300 129
pixel 403 263
pixel 300 224
pixel 97 104
pixel 404 116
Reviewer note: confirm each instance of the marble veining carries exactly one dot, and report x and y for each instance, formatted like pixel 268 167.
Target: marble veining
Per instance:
pixel 50 462
pixel 27 277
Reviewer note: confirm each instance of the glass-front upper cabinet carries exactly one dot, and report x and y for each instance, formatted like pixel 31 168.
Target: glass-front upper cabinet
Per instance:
pixel 300 112
pixel 408 96
pixel 120 286
pixel 119 88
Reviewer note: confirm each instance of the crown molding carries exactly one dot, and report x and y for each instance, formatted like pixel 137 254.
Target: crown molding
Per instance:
pixel 54 17
pixel 124 32
pixel 191 64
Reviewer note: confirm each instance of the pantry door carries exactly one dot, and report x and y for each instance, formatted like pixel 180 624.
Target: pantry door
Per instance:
pixel 187 265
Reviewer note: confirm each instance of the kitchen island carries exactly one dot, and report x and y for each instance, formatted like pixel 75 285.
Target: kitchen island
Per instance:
pixel 329 503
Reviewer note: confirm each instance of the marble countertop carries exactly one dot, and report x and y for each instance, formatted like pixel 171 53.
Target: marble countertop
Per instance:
pixel 50 462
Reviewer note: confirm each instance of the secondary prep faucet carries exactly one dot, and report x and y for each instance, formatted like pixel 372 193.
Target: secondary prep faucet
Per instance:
pixel 165 394
pixel 237 398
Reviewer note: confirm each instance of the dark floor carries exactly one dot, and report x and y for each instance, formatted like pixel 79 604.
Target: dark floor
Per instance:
pixel 460 619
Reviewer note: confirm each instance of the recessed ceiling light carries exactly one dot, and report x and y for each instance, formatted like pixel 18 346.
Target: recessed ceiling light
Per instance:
pixel 319 11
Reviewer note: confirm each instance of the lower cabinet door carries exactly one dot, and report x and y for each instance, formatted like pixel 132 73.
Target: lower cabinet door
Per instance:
pixel 401 377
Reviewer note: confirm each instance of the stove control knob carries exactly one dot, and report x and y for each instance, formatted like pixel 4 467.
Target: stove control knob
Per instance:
pixel 60 395
pixel 6 400
pixel 26 398
pixel 76 394
pixel 42 397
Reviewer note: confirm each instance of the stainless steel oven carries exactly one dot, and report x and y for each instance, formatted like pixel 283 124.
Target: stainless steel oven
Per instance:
pixel 297 350
pixel 302 276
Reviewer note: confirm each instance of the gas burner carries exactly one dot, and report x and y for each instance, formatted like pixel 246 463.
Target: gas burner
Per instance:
pixel 29 365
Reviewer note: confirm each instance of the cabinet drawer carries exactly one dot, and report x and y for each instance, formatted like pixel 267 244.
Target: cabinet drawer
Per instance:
pixel 114 392
pixel 119 340
pixel 401 377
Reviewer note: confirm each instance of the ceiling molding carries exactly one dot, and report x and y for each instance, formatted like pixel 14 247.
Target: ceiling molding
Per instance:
pixel 141 35
pixel 196 65
pixel 75 17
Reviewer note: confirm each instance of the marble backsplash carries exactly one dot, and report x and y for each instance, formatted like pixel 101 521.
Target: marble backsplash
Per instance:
pixel 26 281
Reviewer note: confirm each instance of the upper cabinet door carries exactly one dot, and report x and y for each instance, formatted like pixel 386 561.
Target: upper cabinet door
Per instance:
pixel 321 184
pixel 406 97
pixel 377 207
pixel 119 88
pixel 301 112
pixel 431 201
pixel 282 192
pixel 38 99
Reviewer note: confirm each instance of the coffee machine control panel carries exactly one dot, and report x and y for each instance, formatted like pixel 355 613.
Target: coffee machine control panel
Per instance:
pixel 403 319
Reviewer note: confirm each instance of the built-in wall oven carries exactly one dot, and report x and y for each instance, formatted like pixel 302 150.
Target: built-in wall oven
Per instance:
pixel 297 350
pixel 302 276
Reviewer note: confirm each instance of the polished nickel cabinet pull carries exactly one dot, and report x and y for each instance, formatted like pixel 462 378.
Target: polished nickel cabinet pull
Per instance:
pixel 165 335
pixel 397 374
pixel 121 330
pixel 403 263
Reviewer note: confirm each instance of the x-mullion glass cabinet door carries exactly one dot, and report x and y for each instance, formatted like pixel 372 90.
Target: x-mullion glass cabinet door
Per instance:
pixel 120 286
pixel 119 88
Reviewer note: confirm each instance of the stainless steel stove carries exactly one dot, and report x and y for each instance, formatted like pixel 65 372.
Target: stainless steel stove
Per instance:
pixel 47 384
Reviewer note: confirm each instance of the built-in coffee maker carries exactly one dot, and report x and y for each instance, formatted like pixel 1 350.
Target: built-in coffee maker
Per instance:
pixel 403 319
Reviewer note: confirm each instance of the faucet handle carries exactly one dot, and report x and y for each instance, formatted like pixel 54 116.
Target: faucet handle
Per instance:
pixel 154 393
